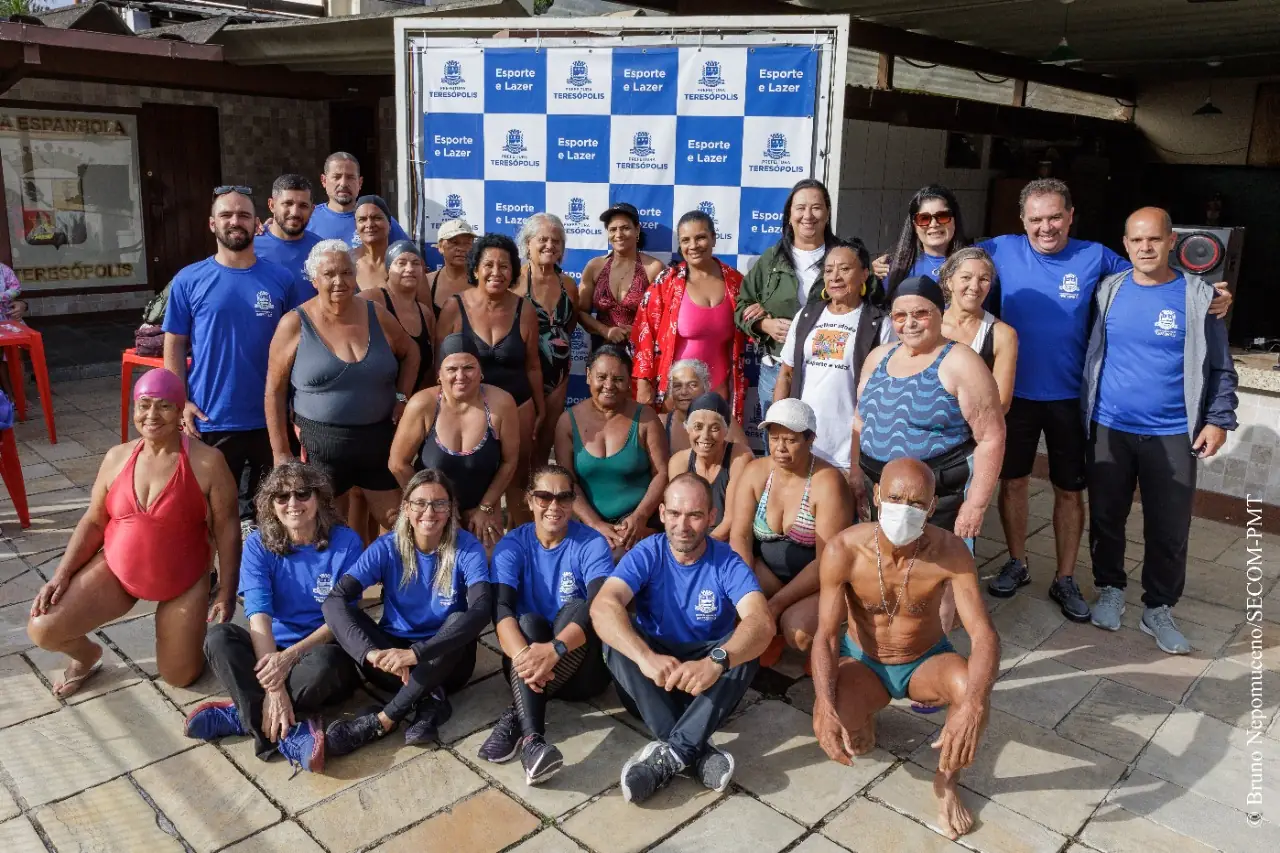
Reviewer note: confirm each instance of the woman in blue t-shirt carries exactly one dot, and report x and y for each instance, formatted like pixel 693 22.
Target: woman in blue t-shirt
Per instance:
pixel 435 604
pixel 286 663
pixel 933 230
pixel 545 575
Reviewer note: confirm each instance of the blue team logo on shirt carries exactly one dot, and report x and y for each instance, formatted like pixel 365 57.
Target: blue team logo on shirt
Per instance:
pixel 577 211
pixel 707 608
pixel 1167 323
pixel 263 306
pixel 515 141
pixel 453 207
pixel 642 144
pixel 452 73
pixel 324 585
pixel 1070 287
pixel 711 74
pixel 777 149
pixel 578 74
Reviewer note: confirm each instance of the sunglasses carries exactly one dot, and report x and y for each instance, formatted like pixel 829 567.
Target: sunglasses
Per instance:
pixel 301 495
pixel 422 505
pixel 942 217
pixel 232 188
pixel 545 499
pixel 920 315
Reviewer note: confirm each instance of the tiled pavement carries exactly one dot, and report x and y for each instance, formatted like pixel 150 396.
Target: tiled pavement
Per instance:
pixel 1096 741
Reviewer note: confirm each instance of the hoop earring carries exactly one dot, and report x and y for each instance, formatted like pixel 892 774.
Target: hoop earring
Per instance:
pixel 824 296
pixel 864 289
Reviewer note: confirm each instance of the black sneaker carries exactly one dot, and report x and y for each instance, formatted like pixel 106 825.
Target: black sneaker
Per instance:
pixel 1012 575
pixel 649 771
pixel 1069 598
pixel 714 769
pixel 503 742
pixel 540 759
pixel 431 713
pixel 346 736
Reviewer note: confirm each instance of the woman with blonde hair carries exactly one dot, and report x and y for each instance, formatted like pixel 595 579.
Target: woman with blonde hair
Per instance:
pixel 435 604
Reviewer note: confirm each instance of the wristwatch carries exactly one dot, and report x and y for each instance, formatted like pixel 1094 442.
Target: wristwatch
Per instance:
pixel 487 509
pixel 721 657
pixel 560 647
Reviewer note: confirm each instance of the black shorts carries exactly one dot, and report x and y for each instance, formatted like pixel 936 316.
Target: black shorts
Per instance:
pixel 350 455
pixel 1064 436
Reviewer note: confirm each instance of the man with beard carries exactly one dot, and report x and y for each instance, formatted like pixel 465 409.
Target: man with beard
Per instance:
pixel 286 240
pixel 226 308
pixel 680 663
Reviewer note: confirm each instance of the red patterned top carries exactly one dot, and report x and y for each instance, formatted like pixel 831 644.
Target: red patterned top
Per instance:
pixel 653 337
pixel 610 311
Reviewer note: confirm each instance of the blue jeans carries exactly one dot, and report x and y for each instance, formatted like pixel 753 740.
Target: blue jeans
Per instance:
pixel 764 390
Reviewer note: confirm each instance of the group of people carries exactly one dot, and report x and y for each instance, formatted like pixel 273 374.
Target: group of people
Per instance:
pixel 382 425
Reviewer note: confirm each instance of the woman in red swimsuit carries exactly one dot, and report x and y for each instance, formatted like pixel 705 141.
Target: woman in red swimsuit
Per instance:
pixel 613 284
pixel 146 536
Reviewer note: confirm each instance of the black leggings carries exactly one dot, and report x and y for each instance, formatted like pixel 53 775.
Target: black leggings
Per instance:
pixel 451 670
pixel 579 675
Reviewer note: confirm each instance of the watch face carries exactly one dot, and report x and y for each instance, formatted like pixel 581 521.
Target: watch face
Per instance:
pixel 719 655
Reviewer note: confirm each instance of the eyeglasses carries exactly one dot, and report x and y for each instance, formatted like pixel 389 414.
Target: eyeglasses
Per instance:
pixel 301 495
pixel 942 217
pixel 421 505
pixel 232 188
pixel 545 499
pixel 920 315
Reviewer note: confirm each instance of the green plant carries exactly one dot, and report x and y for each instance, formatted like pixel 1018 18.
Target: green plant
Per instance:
pixel 22 7
pixel 540 7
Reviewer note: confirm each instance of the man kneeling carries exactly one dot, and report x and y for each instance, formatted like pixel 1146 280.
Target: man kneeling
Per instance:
pixel 681 665
pixel 887 579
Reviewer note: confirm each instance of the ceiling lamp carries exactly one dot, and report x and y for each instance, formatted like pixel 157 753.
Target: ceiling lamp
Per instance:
pixel 1207 108
pixel 1063 54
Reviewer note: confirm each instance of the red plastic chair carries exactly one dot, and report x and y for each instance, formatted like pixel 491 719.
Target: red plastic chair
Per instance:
pixel 16 336
pixel 11 471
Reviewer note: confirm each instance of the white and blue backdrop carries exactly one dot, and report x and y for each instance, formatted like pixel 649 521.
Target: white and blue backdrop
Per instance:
pixel 683 119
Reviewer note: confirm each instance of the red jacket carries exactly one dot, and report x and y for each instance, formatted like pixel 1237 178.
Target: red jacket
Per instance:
pixel 653 335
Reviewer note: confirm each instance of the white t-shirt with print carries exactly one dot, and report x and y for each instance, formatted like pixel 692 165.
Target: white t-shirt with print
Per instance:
pixel 828 381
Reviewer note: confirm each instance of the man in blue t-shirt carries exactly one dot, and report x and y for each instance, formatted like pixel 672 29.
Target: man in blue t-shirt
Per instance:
pixel 226 308
pixel 684 661
pixel 1159 393
pixel 1046 285
pixel 286 240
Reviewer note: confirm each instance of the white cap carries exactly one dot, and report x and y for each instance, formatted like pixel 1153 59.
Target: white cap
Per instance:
pixel 454 228
pixel 795 415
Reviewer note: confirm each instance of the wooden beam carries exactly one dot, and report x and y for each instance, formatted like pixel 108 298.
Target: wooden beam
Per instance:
pixel 884 71
pixel 1019 93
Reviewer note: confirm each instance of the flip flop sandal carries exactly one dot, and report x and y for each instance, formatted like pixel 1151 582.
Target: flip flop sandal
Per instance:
pixel 69 687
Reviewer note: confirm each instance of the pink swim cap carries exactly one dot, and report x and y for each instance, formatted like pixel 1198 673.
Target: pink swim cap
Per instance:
pixel 161 384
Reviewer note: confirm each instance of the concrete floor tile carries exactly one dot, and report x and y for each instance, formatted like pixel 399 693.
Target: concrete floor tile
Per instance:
pixel 67 448
pixel 115 673
pixel 1035 772
pixel 1221 693
pixel 997 829
pixel 81 472
pixel 612 825
pixel 396 799
pixel 222 808
pixel 487 663
pixel 84 745
pixel 202 688
pixel 1193 610
pixel 1117 830
pixel 281 838
pixel 1041 691
pixel 722 829
pixel 11 565
pixel 19 836
pixel 13 628
pixel 22 695
pixel 1208 757
pixel 8 805
pixel 817 844
pixel 21 589
pixel 35 470
pixel 550 840
pixel 1127 656
pixel 1028 619
pixel 1115 720
pixel 1188 813
pixel 1219 585
pixel 594 745
pixel 778 759
pixel 477 706
pixel 485 823
pixel 109 817
pixel 869 826
pixel 1260 638
pixel 1011 654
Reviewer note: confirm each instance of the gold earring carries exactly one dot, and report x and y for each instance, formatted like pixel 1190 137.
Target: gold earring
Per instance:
pixel 823 295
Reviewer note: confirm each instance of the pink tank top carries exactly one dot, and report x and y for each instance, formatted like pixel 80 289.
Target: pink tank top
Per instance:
pixel 707 335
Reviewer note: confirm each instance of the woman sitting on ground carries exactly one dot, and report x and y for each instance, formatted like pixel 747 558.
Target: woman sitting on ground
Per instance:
pixel 687 379
pixel 146 535
pixel 468 431
pixel 787 506
pixel 545 574
pixel 286 664
pixel 712 455
pixel 435 604
pixel 613 446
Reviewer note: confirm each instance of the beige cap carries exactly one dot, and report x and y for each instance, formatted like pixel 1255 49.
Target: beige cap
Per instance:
pixel 454 228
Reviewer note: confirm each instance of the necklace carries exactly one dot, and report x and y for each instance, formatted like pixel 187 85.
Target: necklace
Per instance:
pixel 884 601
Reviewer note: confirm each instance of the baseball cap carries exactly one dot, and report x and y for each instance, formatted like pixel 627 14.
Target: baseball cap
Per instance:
pixel 454 228
pixel 621 207
pixel 790 413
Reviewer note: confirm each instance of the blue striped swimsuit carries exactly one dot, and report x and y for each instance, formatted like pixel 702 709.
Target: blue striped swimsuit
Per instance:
pixel 911 416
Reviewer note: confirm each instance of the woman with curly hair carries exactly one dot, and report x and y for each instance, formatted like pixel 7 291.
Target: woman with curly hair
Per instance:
pixel 286 663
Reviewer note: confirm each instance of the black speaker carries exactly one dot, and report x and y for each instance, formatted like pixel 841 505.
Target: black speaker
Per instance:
pixel 1211 253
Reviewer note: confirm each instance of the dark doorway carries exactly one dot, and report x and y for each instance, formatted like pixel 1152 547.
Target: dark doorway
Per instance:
pixel 353 128
pixel 179 153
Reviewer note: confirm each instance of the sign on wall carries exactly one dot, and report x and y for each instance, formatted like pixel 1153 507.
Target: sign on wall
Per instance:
pixel 72 195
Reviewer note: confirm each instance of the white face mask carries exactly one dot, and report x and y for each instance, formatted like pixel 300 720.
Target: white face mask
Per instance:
pixel 901 523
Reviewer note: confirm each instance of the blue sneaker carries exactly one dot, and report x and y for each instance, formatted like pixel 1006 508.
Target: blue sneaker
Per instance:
pixel 213 720
pixel 303 747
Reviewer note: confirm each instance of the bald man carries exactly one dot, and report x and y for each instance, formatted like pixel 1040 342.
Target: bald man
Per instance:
pixel 886 579
pixel 1159 393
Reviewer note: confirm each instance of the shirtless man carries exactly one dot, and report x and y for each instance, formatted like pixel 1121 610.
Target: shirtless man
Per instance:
pixel 887 580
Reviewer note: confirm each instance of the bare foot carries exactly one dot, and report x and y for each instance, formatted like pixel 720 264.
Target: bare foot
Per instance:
pixel 862 741
pixel 953 818
pixel 77 673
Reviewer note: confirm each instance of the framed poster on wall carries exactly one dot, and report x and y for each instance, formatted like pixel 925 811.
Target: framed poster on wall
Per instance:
pixel 73 197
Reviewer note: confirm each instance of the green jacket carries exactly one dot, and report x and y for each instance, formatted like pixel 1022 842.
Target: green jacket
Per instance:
pixel 772 284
